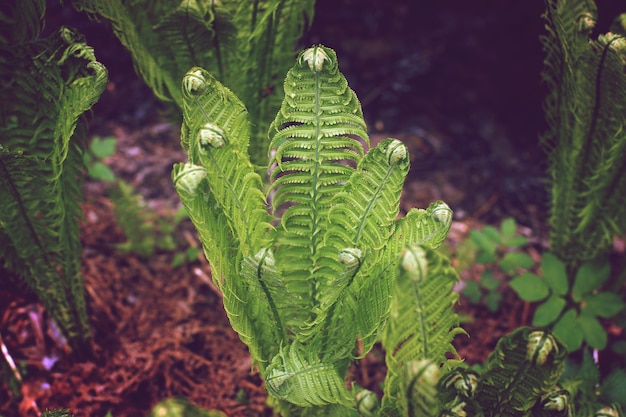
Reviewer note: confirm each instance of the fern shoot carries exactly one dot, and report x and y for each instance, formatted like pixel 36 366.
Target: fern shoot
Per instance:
pixel 308 267
pixel 48 84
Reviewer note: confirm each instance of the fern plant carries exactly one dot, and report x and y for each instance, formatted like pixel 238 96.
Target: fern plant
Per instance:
pixel 47 85
pixel 586 139
pixel 303 281
pixel 247 45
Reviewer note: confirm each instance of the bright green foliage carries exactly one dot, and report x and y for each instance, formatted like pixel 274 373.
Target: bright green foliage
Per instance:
pixel 300 291
pixel 497 250
pixel 572 313
pixel 248 45
pixel 421 327
pixel 586 139
pixel 47 85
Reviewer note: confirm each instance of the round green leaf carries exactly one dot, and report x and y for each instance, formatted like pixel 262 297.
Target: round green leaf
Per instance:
pixel 593 332
pixel 548 311
pixel 553 271
pixel 99 171
pixel 508 227
pixel 568 331
pixel 513 260
pixel 589 277
pixel 492 301
pixel 530 287
pixel 483 241
pixel 102 148
pixel 604 304
pixel 515 242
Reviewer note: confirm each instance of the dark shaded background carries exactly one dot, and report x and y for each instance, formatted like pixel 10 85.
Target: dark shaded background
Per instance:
pixel 461 77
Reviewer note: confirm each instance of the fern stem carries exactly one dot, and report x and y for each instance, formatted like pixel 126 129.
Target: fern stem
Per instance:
pixel 216 45
pixel 371 205
pixel 266 291
pixel 420 313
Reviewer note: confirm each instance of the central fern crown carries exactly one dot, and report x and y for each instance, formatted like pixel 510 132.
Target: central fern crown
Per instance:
pixel 308 267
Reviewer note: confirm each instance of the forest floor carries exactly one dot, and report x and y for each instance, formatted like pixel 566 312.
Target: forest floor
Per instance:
pixel 160 331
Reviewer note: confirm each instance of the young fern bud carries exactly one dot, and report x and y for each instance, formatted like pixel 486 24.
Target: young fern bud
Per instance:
pixel 558 400
pixel 611 411
pixel 265 257
pixel 187 180
pixel 459 382
pixel 397 153
pixel 194 83
pixel 351 257
pixel 211 135
pixel 540 345
pixel 367 403
pixel 315 57
pixel 414 263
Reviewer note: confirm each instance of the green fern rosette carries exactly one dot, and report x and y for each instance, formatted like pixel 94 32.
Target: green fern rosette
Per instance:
pixel 300 290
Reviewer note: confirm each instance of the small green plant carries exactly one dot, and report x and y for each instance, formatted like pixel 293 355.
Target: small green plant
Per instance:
pixel 573 310
pixel 99 149
pixel 497 250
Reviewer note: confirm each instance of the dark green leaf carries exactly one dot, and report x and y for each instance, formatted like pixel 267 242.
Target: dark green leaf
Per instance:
pixel 472 292
pixel 530 287
pixel 101 148
pixel 589 277
pixel 568 330
pixel 548 311
pixel 484 258
pixel 492 301
pixel 604 304
pixel 488 281
pixel 593 332
pixel 553 271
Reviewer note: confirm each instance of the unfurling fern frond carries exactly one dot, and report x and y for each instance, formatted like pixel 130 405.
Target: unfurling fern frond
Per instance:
pixel 525 365
pixel 49 83
pixel 298 376
pixel 422 321
pixel 313 138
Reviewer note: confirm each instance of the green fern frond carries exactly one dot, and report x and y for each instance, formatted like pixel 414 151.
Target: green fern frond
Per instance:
pixel 585 139
pixel 419 227
pixel 525 365
pixel 216 133
pixel 359 224
pixel 21 21
pixel 300 378
pixel 423 292
pixel 49 84
pixel 313 142
pixel 197 33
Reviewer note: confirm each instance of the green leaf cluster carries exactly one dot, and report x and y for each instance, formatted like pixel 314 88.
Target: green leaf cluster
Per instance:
pixel 572 310
pixel 48 83
pixel 308 265
pixel 496 250
pixel 99 149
